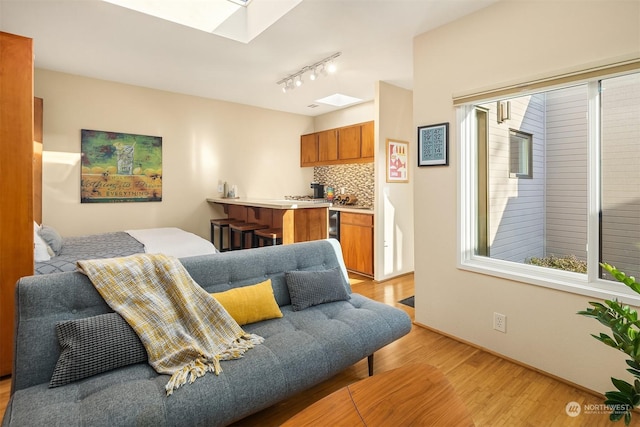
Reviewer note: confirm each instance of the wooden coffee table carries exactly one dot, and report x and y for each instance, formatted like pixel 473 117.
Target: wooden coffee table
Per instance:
pixel 413 395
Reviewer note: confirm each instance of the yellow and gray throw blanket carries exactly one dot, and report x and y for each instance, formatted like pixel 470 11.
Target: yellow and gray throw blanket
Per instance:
pixel 185 331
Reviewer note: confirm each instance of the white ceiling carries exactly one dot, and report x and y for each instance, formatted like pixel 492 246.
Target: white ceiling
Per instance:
pixel 101 40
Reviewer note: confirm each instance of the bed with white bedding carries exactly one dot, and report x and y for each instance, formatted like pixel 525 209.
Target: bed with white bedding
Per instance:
pixel 64 252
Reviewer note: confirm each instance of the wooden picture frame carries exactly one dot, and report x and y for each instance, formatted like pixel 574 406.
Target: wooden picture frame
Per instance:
pixel 433 145
pixel 397 164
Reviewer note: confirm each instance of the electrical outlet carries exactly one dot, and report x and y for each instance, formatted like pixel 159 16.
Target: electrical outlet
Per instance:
pixel 220 188
pixel 500 322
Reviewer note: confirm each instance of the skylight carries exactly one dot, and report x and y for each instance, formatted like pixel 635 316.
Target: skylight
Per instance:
pixel 240 20
pixel 338 100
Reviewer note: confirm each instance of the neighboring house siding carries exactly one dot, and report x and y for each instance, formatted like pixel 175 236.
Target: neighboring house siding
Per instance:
pixel 566 151
pixel 620 245
pixel 516 217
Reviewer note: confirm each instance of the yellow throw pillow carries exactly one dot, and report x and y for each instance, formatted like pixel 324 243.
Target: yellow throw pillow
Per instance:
pixel 250 304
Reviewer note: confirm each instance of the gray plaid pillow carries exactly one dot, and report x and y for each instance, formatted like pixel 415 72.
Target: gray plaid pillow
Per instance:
pixel 94 345
pixel 309 288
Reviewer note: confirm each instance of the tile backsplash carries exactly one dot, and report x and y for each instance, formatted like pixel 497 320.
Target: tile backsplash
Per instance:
pixel 356 178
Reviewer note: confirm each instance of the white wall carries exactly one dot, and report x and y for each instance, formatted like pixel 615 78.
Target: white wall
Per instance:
pixel 487 49
pixel 394 201
pixel 355 114
pixel 203 141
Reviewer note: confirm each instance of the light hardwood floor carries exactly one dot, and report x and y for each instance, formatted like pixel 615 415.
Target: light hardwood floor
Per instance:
pixel 496 391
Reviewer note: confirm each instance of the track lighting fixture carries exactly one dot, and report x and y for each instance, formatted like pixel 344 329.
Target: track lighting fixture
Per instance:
pixel 321 67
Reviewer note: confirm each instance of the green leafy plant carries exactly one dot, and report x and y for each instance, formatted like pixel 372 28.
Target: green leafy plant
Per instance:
pixel 625 330
pixel 566 263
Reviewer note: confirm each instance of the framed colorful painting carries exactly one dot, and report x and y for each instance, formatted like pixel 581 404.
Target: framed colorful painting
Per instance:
pixel 397 161
pixel 120 167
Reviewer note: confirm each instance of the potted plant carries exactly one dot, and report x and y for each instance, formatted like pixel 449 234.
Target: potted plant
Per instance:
pixel 625 330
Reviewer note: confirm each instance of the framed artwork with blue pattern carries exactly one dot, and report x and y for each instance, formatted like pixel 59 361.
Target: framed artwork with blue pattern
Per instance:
pixel 433 145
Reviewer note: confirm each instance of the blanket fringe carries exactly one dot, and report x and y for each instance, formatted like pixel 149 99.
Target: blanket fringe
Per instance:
pixel 199 367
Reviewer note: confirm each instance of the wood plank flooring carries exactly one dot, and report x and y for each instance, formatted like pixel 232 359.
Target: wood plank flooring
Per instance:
pixel 496 391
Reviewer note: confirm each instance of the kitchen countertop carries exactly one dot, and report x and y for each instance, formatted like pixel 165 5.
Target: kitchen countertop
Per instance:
pixel 352 209
pixel 270 203
pixel 289 204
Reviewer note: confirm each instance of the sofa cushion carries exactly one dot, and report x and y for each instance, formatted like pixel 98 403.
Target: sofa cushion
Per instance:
pixel 309 288
pixel 250 304
pixel 94 345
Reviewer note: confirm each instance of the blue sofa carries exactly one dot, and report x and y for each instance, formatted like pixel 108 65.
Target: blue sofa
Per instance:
pixel 300 349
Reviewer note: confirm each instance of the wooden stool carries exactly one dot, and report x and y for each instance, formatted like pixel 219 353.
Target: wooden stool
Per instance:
pixel 222 224
pixel 269 237
pixel 245 229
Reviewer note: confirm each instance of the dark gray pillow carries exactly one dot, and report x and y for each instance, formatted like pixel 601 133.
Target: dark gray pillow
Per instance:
pixel 309 288
pixel 94 345
pixel 51 238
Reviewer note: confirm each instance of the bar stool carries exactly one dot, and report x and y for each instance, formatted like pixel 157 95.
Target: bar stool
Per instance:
pixel 245 229
pixel 222 224
pixel 269 237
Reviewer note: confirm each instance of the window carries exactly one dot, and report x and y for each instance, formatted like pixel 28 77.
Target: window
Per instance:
pixel 520 154
pixel 582 205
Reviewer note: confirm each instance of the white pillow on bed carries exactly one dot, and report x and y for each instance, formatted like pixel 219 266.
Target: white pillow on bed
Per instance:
pixel 41 250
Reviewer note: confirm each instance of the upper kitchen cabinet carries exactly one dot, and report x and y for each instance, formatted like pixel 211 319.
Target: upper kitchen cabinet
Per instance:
pixel 309 149
pixel 367 141
pixel 349 144
pixel 328 145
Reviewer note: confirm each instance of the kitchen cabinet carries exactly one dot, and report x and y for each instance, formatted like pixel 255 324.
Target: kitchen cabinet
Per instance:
pixel 367 148
pixel 349 144
pixel 308 149
pixel 356 239
pixel 328 145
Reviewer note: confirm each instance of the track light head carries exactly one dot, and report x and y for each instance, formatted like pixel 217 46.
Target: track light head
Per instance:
pixel 299 81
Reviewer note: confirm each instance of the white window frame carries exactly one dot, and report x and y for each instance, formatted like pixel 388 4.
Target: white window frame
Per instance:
pixel 583 284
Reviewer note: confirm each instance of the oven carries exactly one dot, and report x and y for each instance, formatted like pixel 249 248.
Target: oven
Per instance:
pixel 334 224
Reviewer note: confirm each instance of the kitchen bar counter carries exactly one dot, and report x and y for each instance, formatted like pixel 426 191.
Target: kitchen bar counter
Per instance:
pixel 300 220
pixel 271 203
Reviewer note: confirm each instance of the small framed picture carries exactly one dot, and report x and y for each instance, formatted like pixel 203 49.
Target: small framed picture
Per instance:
pixel 397 161
pixel 433 145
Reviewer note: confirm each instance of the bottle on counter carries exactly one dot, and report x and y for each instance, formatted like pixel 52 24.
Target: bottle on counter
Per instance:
pixel 330 194
pixel 225 191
